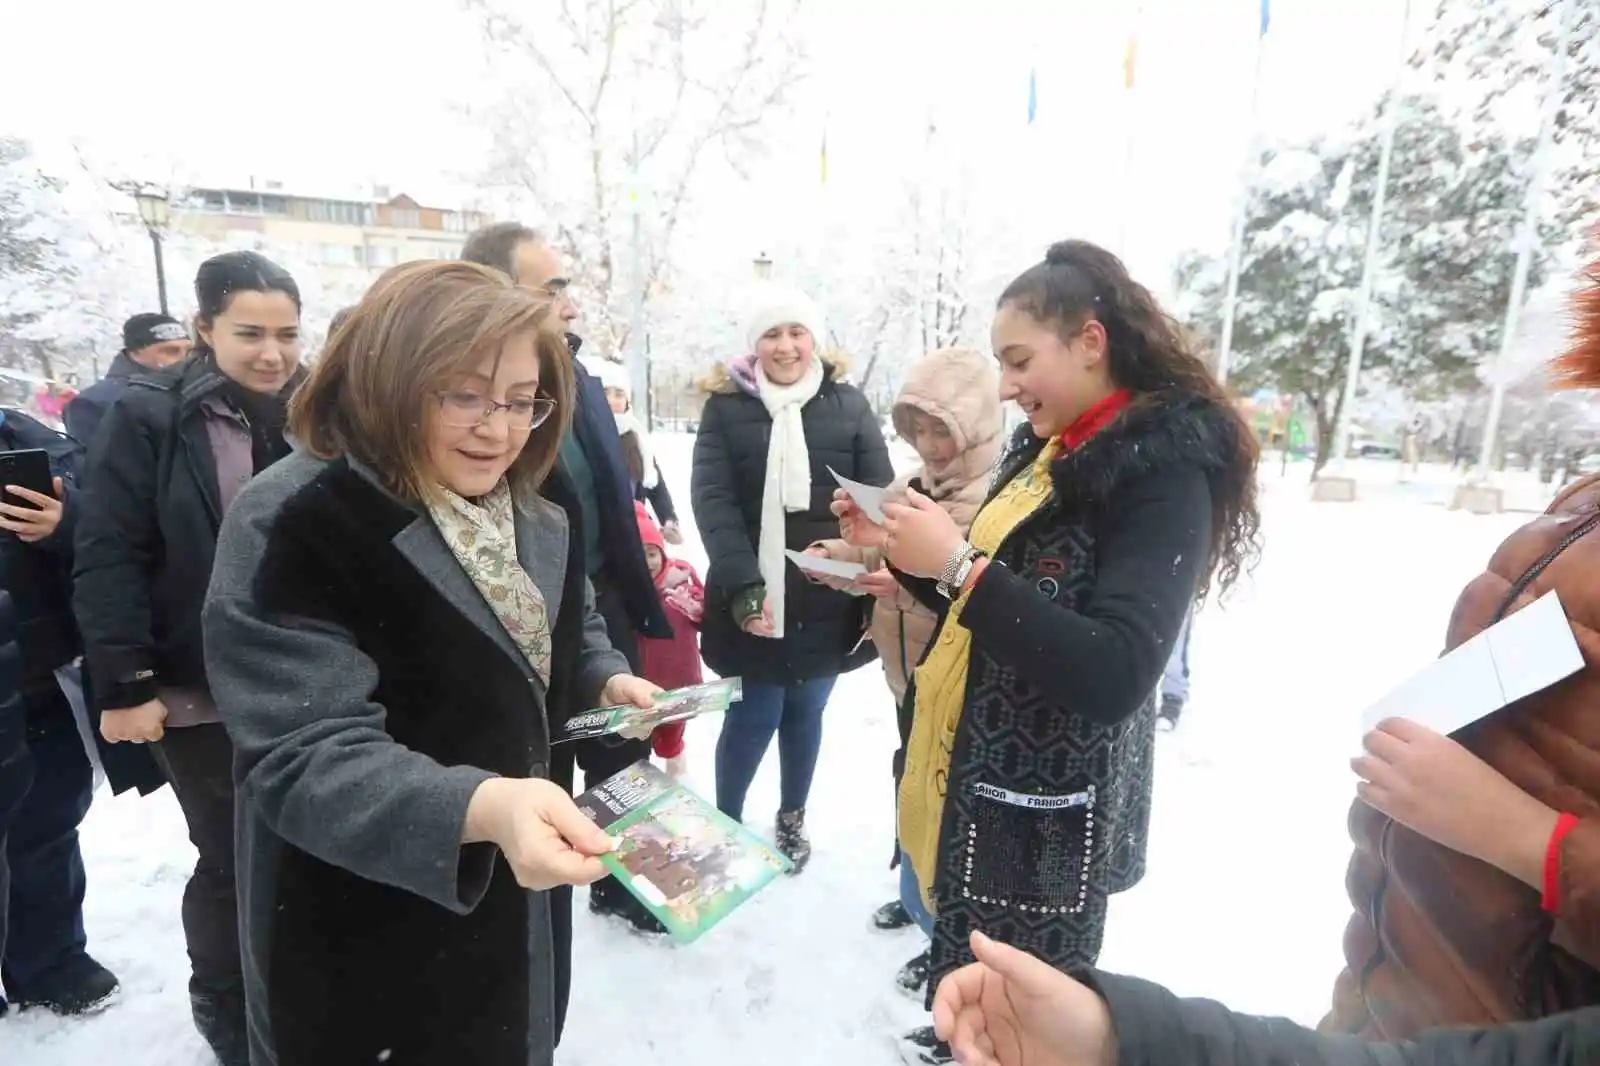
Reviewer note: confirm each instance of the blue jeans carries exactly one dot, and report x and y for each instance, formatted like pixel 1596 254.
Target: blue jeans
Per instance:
pixel 794 713
pixel 911 896
pixel 1175 679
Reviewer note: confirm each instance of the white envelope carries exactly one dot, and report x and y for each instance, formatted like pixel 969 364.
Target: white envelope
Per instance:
pixel 821 564
pixel 1528 651
pixel 867 497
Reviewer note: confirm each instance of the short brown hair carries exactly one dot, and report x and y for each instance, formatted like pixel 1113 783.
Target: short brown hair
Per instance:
pixel 370 393
pixel 496 246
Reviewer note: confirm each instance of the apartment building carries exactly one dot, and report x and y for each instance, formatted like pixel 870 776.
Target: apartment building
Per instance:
pixel 342 236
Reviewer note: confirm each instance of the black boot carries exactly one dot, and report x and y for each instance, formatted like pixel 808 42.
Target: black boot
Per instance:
pixel 76 987
pixel 219 1015
pixel 1171 710
pixel 891 916
pixel 792 839
pixel 609 899
pixel 922 1047
pixel 913 977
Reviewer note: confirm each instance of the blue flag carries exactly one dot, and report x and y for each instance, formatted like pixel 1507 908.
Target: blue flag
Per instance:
pixel 1266 16
pixel 1033 94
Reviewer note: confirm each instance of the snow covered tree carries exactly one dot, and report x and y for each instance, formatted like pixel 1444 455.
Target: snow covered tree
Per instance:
pixel 612 107
pixel 1444 267
pixel 1496 57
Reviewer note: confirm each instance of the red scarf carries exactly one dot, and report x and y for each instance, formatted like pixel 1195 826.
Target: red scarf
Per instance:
pixel 1094 420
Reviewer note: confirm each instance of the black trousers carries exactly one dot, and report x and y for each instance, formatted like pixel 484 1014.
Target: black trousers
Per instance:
pixel 198 760
pixel 46 785
pixel 599 758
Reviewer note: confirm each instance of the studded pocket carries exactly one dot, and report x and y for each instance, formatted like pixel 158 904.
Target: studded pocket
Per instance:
pixel 1030 853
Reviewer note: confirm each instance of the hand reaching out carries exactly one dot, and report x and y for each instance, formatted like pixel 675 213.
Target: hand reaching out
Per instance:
pixel 1010 1009
pixel 546 839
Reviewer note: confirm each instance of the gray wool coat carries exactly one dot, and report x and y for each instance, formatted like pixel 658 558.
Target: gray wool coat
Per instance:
pixel 369 690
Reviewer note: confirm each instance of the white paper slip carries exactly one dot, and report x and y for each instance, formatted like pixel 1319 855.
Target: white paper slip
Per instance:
pixel 1528 651
pixel 821 564
pixel 868 498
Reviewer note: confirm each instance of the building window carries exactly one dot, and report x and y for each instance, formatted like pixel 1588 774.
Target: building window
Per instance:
pixel 381 255
pixel 407 218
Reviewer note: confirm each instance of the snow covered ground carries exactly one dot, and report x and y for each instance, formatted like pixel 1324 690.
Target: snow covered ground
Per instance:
pixel 1244 900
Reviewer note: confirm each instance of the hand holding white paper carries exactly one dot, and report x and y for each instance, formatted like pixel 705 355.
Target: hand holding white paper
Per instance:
pixel 867 497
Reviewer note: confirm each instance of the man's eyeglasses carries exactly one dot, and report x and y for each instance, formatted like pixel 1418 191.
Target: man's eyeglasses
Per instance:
pixel 460 409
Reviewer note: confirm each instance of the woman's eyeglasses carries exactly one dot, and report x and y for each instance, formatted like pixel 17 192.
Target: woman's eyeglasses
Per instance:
pixel 468 410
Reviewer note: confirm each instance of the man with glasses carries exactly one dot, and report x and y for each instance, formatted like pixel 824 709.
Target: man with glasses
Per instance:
pixel 593 466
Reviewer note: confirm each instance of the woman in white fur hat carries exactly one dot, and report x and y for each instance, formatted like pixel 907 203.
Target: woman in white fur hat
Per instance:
pixel 643 471
pixel 777 418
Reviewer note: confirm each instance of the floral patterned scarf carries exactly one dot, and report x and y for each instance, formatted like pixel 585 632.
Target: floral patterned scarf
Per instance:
pixel 483 538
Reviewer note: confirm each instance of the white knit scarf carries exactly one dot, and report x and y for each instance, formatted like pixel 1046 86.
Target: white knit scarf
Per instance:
pixel 788 480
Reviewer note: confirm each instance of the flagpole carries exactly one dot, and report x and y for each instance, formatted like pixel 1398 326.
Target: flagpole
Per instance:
pixel 1230 301
pixel 1369 266
pixel 1130 64
pixel 1527 240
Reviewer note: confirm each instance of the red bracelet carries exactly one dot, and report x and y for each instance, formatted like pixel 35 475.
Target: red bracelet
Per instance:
pixel 1552 862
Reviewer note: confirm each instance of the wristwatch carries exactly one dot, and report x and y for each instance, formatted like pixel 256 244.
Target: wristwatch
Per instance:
pixel 957 570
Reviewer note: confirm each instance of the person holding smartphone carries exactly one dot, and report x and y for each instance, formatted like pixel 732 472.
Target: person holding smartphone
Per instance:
pixel 46 777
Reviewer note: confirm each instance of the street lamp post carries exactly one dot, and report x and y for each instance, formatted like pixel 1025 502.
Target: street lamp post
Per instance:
pixel 155 211
pixel 762 266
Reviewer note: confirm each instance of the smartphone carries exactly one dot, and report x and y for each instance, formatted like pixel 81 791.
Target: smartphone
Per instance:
pixel 29 468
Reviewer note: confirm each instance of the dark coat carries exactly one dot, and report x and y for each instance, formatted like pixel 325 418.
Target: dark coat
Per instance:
pixel 625 567
pixel 151 510
pixel 823 627
pixel 38 580
pixel 659 498
pixel 87 409
pixel 1155 1028
pixel 369 691
pixel 1071 627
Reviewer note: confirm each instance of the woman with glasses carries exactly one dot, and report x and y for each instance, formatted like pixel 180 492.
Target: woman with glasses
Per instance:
pixel 393 612
pixel 166 464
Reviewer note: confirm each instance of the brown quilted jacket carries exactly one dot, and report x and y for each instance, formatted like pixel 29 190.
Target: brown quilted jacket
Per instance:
pixel 1441 939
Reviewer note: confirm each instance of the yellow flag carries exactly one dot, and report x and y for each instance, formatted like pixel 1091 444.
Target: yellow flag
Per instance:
pixel 824 157
pixel 1128 59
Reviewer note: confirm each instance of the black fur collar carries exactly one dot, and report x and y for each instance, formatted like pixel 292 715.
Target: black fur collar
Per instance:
pixel 1159 431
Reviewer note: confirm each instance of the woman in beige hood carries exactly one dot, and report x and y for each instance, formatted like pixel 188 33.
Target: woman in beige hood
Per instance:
pixel 949 410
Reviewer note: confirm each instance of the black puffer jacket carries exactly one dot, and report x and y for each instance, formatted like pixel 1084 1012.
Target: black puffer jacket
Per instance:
pixel 823 628
pixel 38 633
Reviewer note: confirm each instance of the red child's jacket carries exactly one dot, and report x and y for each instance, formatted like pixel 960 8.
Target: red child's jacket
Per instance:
pixel 672 662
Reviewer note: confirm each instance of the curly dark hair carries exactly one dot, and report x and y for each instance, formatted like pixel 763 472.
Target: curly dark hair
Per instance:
pixel 1148 354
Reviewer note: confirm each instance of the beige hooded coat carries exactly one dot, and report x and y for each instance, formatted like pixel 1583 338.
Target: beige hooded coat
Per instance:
pixel 959 387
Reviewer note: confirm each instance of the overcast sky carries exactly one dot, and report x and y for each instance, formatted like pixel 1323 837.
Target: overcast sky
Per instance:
pixel 286 90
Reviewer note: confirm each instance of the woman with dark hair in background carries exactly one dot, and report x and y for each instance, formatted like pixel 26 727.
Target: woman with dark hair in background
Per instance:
pixel 1029 728
pixel 167 461
pixel 644 472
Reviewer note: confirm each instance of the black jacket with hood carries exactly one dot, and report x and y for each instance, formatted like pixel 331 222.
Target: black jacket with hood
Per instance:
pixel 147 534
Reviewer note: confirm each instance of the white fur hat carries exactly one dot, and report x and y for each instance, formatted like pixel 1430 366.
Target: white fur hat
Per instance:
pixel 770 304
pixel 612 375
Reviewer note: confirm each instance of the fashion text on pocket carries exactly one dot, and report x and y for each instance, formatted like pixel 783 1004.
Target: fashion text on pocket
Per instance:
pixel 1029 852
